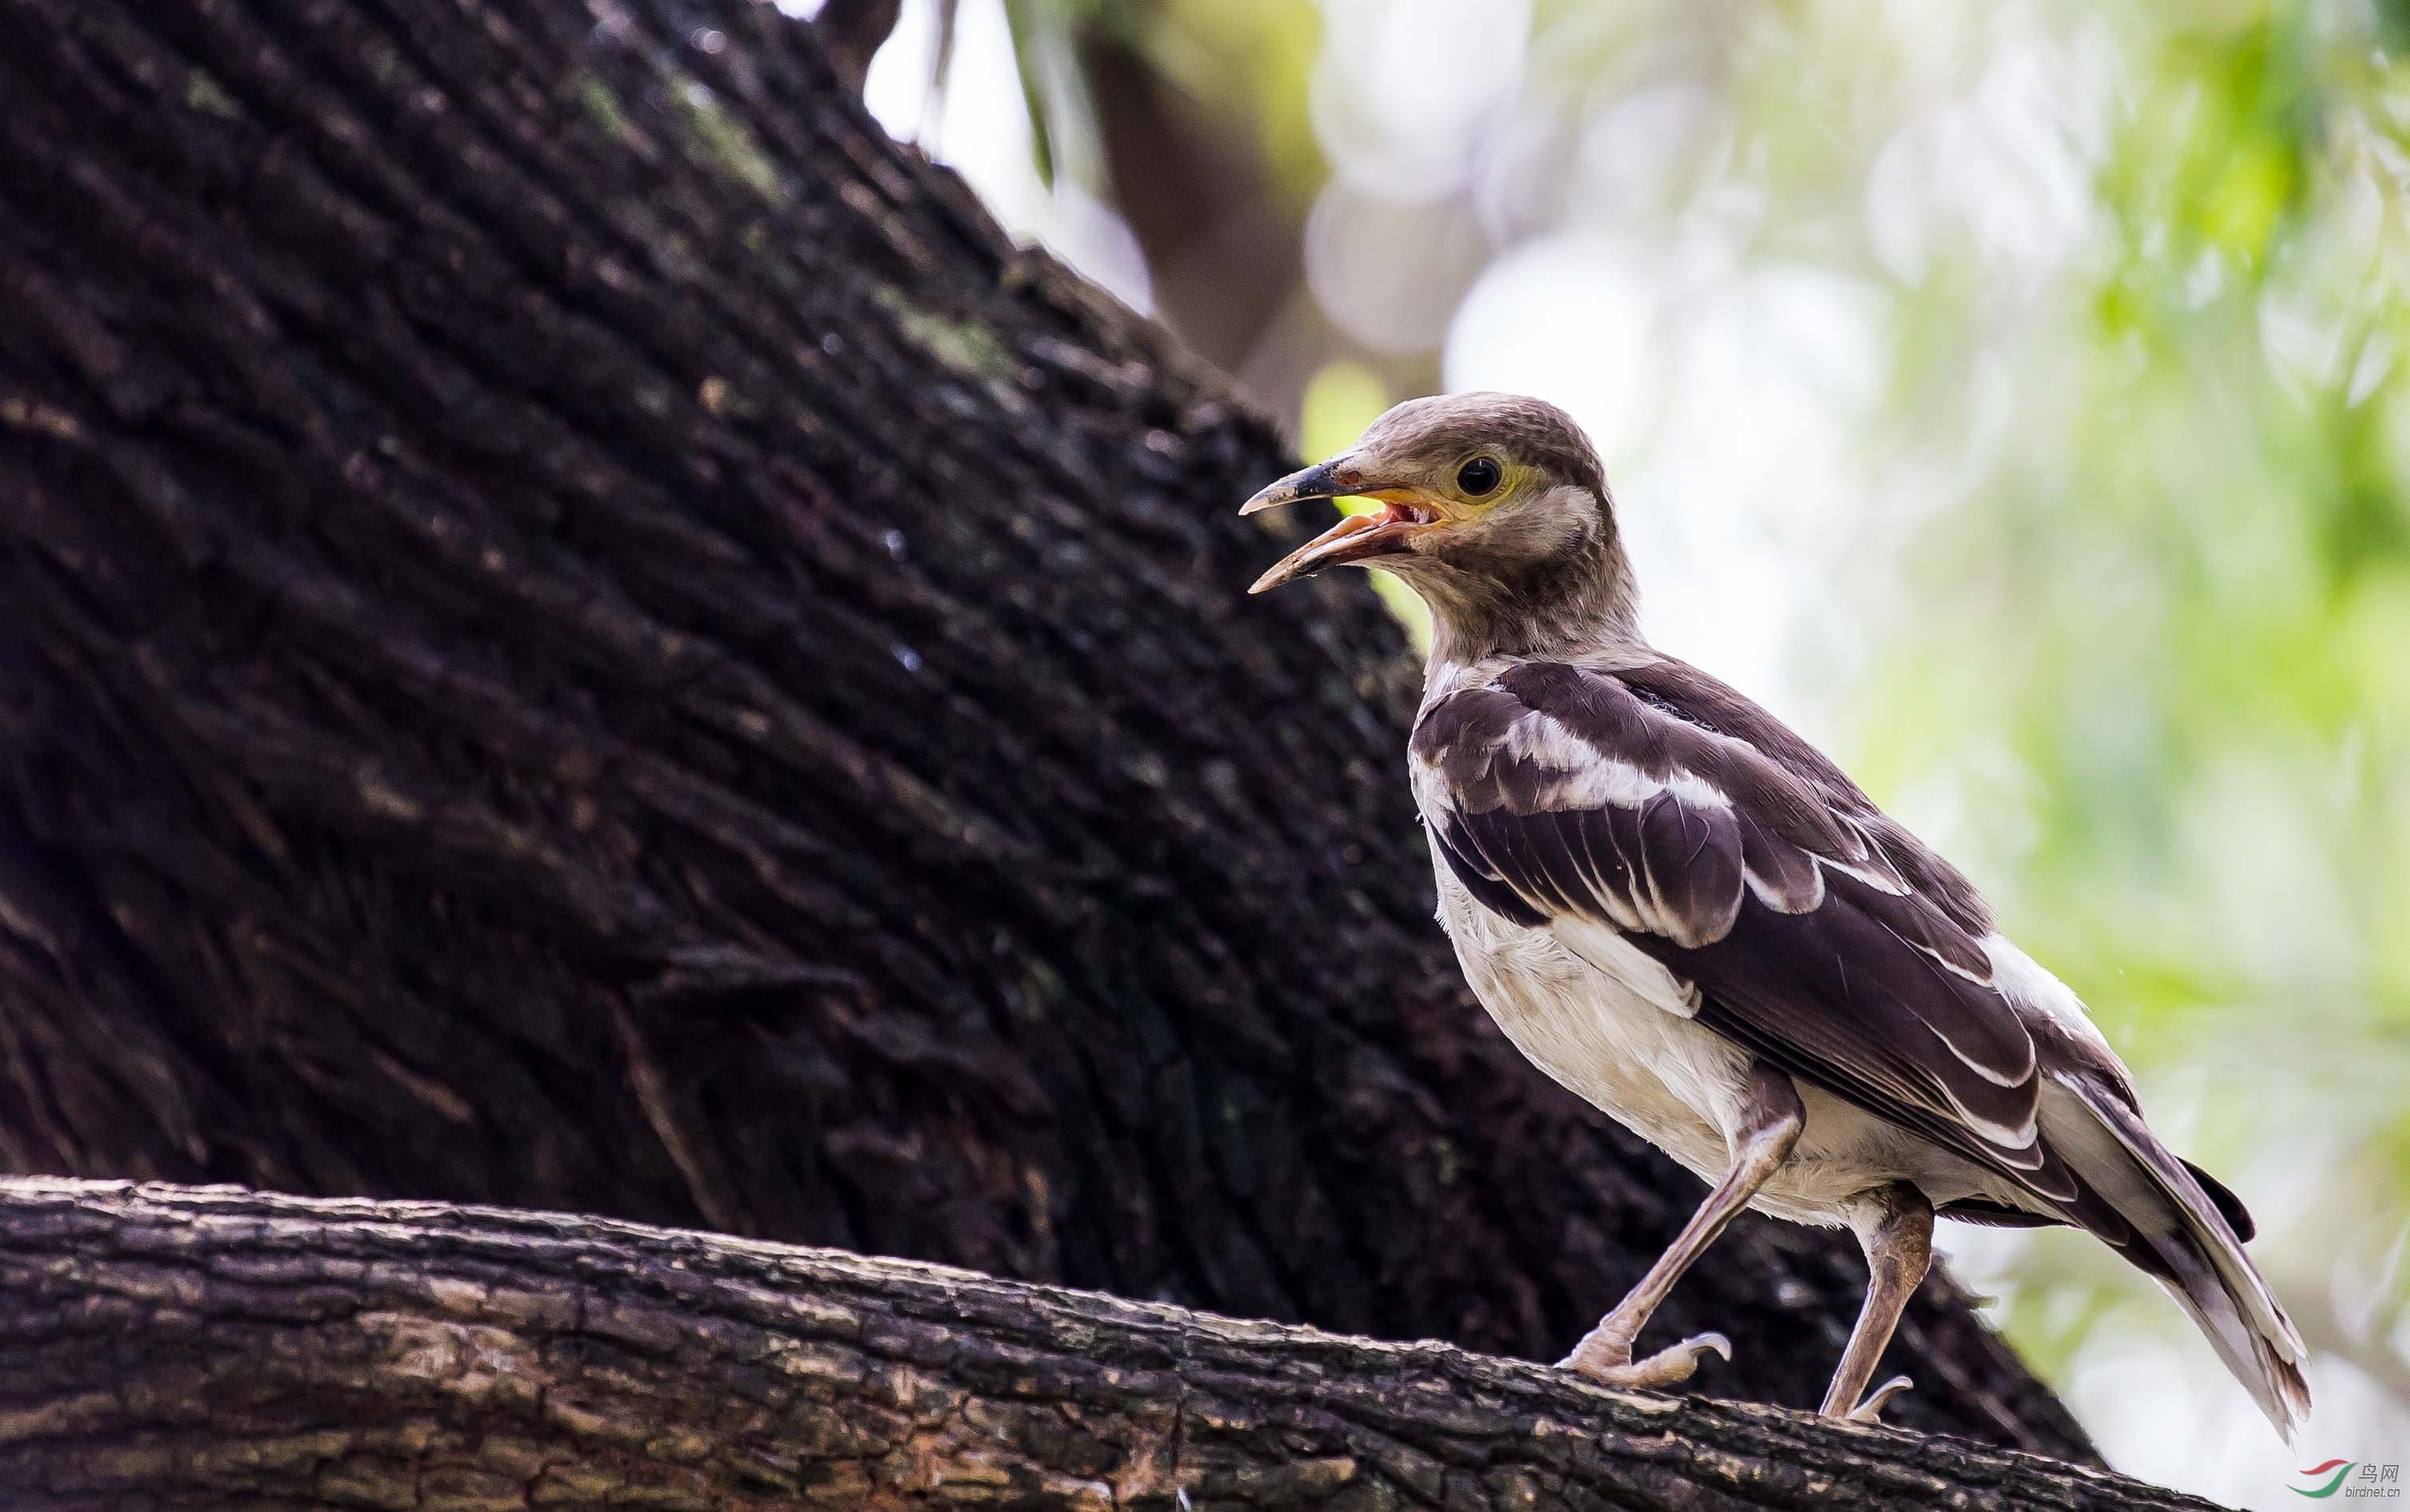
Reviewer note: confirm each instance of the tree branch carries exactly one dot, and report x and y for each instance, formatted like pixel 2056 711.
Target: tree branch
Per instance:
pixel 208 1347
pixel 853 31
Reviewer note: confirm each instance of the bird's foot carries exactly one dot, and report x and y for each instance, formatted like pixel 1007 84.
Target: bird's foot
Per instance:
pixel 1870 1410
pixel 1610 1363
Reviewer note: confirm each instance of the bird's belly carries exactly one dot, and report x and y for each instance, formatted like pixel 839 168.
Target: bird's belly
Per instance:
pixel 1675 1082
pixel 1663 1076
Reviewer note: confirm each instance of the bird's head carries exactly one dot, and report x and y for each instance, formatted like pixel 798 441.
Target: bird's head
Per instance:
pixel 1494 509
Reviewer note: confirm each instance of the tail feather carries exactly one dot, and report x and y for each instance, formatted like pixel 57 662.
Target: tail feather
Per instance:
pixel 2188 1233
pixel 2229 1207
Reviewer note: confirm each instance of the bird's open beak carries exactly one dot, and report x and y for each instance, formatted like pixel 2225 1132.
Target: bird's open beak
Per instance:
pixel 1357 538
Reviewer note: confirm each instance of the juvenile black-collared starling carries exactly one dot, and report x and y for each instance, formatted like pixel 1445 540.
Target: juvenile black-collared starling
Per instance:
pixel 1688 915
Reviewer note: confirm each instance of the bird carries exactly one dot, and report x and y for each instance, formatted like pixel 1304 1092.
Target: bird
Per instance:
pixel 1687 915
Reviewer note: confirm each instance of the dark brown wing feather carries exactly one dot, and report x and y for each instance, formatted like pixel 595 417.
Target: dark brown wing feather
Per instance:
pixel 1725 847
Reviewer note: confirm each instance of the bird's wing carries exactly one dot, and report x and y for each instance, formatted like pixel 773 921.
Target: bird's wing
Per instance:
pixel 1663 811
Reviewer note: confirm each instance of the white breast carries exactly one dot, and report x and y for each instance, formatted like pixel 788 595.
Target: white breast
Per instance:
pixel 1605 1034
pixel 1614 1026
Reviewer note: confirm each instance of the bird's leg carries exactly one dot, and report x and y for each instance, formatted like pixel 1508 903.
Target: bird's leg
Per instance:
pixel 1896 1226
pixel 1770 1123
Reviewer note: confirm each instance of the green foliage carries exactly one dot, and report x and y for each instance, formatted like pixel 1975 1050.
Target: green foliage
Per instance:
pixel 2159 658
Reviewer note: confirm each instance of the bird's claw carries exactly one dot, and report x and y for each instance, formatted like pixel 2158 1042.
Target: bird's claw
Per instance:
pixel 1610 1365
pixel 1870 1410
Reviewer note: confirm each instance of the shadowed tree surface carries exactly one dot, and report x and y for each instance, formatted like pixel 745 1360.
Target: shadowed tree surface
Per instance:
pixel 586 633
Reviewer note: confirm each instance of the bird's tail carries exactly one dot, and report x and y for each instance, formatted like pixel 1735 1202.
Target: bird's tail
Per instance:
pixel 2176 1222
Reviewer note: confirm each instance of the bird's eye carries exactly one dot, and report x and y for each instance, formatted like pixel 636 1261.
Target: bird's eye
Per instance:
pixel 1478 476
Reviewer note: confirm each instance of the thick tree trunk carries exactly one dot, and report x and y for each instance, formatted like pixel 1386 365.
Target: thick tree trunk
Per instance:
pixel 583 632
pixel 375 1355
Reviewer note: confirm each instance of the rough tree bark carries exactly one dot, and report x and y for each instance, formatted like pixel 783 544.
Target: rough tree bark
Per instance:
pixel 582 632
pixel 381 1355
